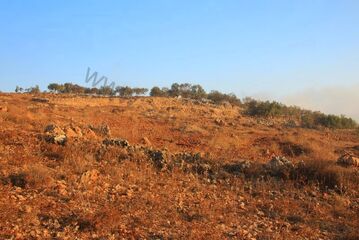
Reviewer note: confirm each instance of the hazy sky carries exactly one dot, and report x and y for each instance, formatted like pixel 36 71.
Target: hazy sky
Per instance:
pixel 280 50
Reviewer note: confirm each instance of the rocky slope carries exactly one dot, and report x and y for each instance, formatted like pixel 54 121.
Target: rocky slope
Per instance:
pixel 76 167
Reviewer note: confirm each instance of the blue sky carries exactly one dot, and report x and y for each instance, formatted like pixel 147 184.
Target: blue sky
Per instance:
pixel 272 49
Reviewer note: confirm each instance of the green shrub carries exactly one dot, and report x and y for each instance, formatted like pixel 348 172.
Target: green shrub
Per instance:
pixel 188 90
pixel 33 90
pixel 218 97
pixel 269 109
pixel 158 92
pixel 333 121
pixel 308 119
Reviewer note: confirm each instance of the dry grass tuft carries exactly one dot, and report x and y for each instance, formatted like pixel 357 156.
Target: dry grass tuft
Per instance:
pixel 38 175
pixel 325 174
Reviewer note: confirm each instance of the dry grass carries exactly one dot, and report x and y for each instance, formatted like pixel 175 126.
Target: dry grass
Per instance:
pixel 326 174
pixel 38 175
pixel 88 190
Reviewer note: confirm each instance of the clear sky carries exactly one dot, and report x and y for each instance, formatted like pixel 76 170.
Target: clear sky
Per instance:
pixel 270 49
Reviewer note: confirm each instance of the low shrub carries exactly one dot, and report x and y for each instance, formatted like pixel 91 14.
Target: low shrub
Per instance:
pixel 218 97
pixel 324 173
pixel 269 109
pixel 308 119
pixel 18 180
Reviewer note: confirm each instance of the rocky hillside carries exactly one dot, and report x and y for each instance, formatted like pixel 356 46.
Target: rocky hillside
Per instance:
pixel 77 167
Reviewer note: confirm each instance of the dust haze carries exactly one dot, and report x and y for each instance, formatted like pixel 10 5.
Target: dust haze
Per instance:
pixel 330 99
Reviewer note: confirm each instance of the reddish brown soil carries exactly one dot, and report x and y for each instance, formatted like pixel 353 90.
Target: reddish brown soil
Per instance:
pixel 83 190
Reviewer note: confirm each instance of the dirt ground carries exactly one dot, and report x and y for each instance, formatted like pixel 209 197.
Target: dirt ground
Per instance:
pixel 164 168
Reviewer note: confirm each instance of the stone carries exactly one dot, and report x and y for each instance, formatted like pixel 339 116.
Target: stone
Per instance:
pixel 219 122
pixel 348 160
pixel 238 168
pixel 40 100
pixel 27 209
pixel 103 130
pixel 90 177
pixel 158 158
pixel 55 134
pixel 73 132
pixel 278 163
pixel 280 167
pixel 61 187
pixel 116 142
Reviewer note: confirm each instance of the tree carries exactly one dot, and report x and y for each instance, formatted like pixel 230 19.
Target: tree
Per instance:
pixel 18 89
pixel 140 91
pixel 158 92
pixel 124 91
pixel 92 91
pixel 175 90
pixel 54 87
pixel 33 90
pixel 198 92
pixel 106 90
pixel 185 90
pixel 219 97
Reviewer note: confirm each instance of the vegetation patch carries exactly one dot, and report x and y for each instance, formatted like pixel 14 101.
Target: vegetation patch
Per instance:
pixel 308 119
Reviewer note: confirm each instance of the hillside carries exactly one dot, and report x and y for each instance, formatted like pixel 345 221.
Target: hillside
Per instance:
pixel 82 167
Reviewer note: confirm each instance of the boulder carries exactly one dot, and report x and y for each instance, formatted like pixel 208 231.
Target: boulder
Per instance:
pixel 116 142
pixel 348 160
pixel 55 134
pixel 279 166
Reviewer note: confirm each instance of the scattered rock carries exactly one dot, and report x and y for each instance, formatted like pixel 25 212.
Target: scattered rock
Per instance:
pixel 73 132
pixel 158 158
pixel 219 122
pixel 202 168
pixel 89 134
pixel 278 162
pixel 121 191
pixel 90 177
pixel 26 209
pixel 40 100
pixel 55 134
pixel 348 160
pixel 237 168
pixel 188 157
pixel 266 152
pixel 103 130
pixel 61 187
pixel 116 142
pixel 279 166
